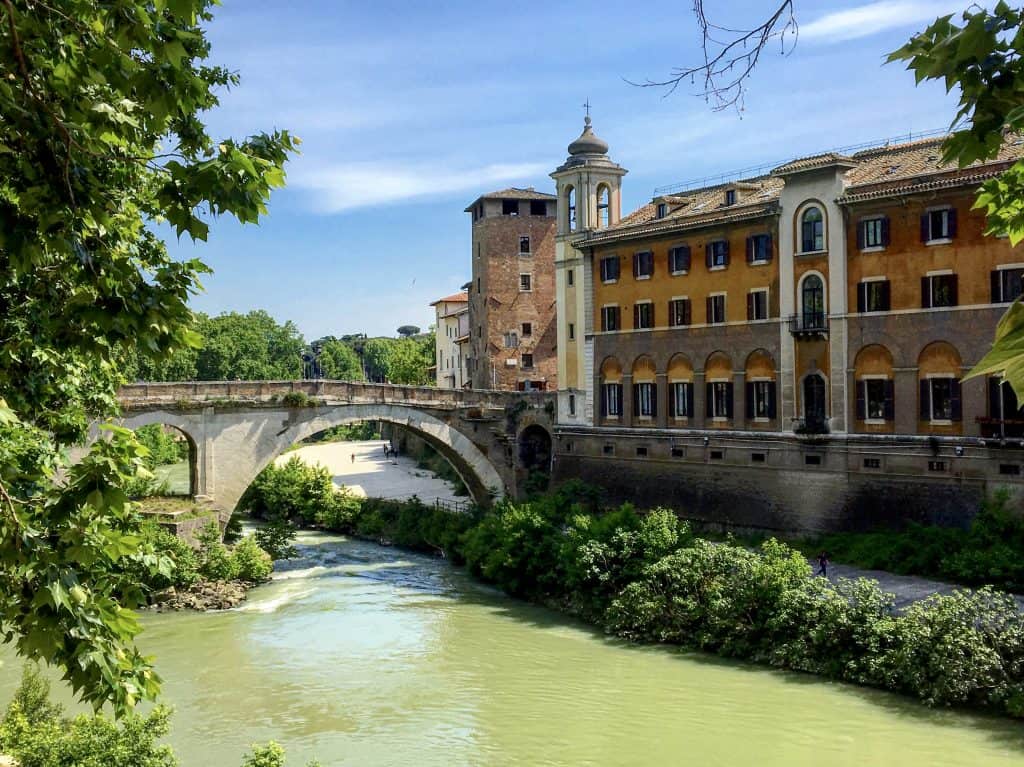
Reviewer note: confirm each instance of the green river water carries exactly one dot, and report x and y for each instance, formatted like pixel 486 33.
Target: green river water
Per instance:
pixel 364 655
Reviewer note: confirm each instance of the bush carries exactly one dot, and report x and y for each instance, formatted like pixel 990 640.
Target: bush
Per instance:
pixel 294 492
pixel 276 538
pixel 216 562
pixel 250 562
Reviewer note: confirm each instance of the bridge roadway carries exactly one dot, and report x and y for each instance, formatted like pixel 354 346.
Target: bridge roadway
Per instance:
pixel 493 439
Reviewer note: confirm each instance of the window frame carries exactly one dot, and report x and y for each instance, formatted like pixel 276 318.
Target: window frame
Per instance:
pixel 607 389
pixel 930 278
pixel 687 389
pixel 761 237
pixel 866 381
pixel 687 312
pixel 604 216
pixel 946 214
pixel 720 388
pixel 541 205
pixel 948 379
pixel 712 298
pixel 526 361
pixel 643 258
pixel 638 310
pixel 528 251
pixel 717 253
pixel 646 394
pixel 673 252
pixel 609 260
pixel 763 391
pixel 752 315
pixel 817 229
pixel 866 284
pixel 865 226
pixel 528 282
pixel 526 329
pixel 604 317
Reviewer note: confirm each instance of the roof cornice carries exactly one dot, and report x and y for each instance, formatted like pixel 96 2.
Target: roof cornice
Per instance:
pixel 662 226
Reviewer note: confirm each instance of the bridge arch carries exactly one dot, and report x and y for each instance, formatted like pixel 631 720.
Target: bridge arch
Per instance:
pixel 233 445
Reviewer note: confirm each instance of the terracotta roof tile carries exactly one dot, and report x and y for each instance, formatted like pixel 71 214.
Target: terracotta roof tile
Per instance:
pixel 454 298
pixel 514 193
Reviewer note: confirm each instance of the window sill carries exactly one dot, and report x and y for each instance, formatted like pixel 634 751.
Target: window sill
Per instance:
pixel 609 282
pixel 874 311
pixel 525 255
pixel 645 418
pixel 940 422
pixel 681 418
pixel 720 419
pixel 875 421
pixel 642 277
pixel 719 268
pixel 811 253
pixel 761 420
pixel 611 418
pixel 873 249
pixel 939 241
pixel 676 327
pixel 761 262
pixel 680 274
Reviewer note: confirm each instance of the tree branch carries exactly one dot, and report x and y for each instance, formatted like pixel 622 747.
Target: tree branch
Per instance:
pixel 729 62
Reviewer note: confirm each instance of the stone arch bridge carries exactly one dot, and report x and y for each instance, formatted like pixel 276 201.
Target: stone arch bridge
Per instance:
pixel 493 439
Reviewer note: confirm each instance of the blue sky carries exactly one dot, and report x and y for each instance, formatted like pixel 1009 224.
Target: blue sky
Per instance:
pixel 410 110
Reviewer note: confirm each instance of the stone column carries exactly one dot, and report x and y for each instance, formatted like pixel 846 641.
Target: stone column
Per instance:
pixel 627 399
pixel 739 399
pixel 661 419
pixel 905 391
pixel 699 405
pixel 973 403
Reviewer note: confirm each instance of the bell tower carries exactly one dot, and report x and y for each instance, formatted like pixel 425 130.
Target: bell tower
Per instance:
pixel 589 189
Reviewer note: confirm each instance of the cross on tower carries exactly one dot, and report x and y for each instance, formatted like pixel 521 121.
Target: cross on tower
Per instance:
pixel 586 105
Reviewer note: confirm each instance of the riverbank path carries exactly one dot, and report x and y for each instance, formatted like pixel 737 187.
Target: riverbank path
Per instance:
pixel 361 467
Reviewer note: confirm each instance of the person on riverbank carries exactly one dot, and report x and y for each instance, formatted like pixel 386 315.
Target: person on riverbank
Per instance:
pixel 353 457
pixel 823 565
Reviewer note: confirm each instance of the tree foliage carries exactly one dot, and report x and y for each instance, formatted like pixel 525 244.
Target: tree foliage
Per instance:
pixel 101 141
pixel 339 361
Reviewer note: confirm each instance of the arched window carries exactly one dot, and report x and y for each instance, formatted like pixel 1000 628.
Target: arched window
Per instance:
pixel 812 230
pixel 603 211
pixel 570 196
pixel 812 303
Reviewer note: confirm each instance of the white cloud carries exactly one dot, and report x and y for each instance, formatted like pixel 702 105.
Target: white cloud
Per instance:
pixel 338 188
pixel 865 20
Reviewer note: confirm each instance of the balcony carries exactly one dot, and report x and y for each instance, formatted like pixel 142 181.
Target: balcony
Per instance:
pixel 1001 428
pixel 809 325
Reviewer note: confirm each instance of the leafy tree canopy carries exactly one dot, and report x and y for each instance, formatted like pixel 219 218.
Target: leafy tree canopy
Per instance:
pixel 339 361
pixel 101 140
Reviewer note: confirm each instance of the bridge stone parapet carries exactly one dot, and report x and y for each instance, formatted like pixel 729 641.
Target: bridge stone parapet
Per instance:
pixel 235 428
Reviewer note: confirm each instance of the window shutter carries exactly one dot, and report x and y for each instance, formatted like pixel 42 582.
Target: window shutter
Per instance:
pixel 925 227
pixel 750 399
pixel 707 255
pixel 926 299
pixel 604 401
pixel 862 404
pixel 686 312
pixel 689 400
pixel 654 322
pixel 636 316
pixel 710 310
pixel 750 306
pixel 686 258
pixel 885 232
pixel 725 251
pixel 636 400
pixel 616 267
pixel 954 289
pixel 768 246
pixel 954 399
pixel 862 297
pixel 654 400
pixel 952 223
pixel 889 411
pixel 671 255
pixel 995 402
pixel 994 282
pixel 636 264
pixel 672 400
pixel 885 296
pixel 750 249
pixel 771 399
pixel 618 397
pixel 728 400
pixel 709 400
pixel 925 400
pixel 861 226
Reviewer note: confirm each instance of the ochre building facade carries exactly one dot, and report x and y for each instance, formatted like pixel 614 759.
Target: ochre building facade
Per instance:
pixel 786 351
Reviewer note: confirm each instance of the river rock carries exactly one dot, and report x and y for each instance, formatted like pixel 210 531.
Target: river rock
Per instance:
pixel 202 596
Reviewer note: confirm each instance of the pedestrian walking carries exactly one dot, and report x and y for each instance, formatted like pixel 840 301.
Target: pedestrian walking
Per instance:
pixel 823 565
pixel 353 457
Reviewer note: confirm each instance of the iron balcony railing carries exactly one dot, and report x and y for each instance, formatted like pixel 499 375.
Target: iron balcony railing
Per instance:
pixel 1001 428
pixel 809 324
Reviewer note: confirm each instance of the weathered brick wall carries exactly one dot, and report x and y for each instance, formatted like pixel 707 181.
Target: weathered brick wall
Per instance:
pixel 498 305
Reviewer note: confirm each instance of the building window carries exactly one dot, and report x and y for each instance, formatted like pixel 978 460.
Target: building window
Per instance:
pixel 758 457
pixel 645 400
pixel 940 399
pixel 1007 285
pixel 527 329
pixel 570 196
pixel 641 452
pixel 572 331
pixel 524 245
pixel 610 269
pixel 812 302
pixel 525 283
pixel 477 284
pixel 719 403
pixel 716 254
pixel 643 265
pixel 527 361
pixel 1010 469
pixel 936 465
pixel 717 455
pixel 938 290
pixel 759 249
pixel 662 210
pixel 716 309
pixel 872 463
pixel 572 411
pixel 608 449
pixel 679 259
pixel 678 312
pixel 603 209
pixel 875 400
pixel 538 208
pixel 510 207
pixel 873 296
pixel 680 399
pixel 570 277
pixel 761 399
pixel 938 226
pixel 677 452
pixel 812 231
pixel 511 340
pixel 757 304
pixel 812 460
pixel 643 315
pixel 873 233
pixel 730 196
pixel 610 318
pixel 611 400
